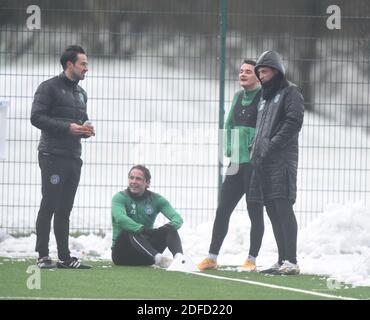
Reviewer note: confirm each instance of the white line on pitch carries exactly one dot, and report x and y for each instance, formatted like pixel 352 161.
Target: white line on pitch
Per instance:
pixel 274 286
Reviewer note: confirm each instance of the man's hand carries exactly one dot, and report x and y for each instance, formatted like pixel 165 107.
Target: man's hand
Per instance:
pixel 78 130
pixel 91 129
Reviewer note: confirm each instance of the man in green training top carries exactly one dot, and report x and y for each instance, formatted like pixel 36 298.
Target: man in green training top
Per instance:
pixel 240 129
pixel 134 212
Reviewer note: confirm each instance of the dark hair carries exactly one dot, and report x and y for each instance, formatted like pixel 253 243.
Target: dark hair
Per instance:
pixel 70 54
pixel 248 61
pixel 143 169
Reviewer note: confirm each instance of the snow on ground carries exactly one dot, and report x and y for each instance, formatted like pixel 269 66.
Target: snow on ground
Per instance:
pixel 336 244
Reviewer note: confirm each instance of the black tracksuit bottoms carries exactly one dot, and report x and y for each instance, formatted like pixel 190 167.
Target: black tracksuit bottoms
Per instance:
pixel 284 227
pixel 60 178
pixel 232 190
pixel 135 249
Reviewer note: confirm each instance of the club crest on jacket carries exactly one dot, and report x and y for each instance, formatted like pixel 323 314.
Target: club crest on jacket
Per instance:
pixel 149 209
pixel 133 210
pixel 262 105
pixel 54 179
pixel 277 97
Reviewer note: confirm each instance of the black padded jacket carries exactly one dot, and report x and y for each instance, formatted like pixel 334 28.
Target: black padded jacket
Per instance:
pixel 275 147
pixel 57 103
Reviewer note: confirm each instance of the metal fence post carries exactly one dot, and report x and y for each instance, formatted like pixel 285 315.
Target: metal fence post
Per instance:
pixel 221 112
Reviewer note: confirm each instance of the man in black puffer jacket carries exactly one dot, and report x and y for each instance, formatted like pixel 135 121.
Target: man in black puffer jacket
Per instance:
pixel 59 111
pixel 275 156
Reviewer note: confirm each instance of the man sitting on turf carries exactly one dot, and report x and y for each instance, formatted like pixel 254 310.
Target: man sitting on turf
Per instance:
pixel 134 212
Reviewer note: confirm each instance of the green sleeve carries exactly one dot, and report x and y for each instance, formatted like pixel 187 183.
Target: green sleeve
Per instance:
pixel 170 213
pixel 229 125
pixel 119 214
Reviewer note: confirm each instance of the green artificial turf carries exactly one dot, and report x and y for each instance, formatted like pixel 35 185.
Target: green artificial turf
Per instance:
pixel 107 281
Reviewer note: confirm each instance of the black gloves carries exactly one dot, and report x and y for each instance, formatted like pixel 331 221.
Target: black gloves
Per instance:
pixel 167 227
pixel 147 231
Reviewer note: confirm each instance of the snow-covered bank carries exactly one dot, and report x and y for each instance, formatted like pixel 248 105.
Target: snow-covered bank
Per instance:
pixel 336 244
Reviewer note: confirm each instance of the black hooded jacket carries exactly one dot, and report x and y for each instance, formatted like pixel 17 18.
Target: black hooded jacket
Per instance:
pixel 58 102
pixel 275 146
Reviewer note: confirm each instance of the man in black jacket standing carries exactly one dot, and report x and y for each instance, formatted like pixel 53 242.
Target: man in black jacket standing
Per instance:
pixel 59 111
pixel 275 156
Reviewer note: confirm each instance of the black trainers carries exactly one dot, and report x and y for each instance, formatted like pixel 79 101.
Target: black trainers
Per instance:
pixel 287 268
pixel 274 268
pixel 72 263
pixel 45 263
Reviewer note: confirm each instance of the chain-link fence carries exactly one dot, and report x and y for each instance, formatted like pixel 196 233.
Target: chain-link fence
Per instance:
pixel 159 74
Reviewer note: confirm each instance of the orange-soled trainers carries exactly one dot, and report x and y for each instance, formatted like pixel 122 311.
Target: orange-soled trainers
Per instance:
pixel 206 264
pixel 248 266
